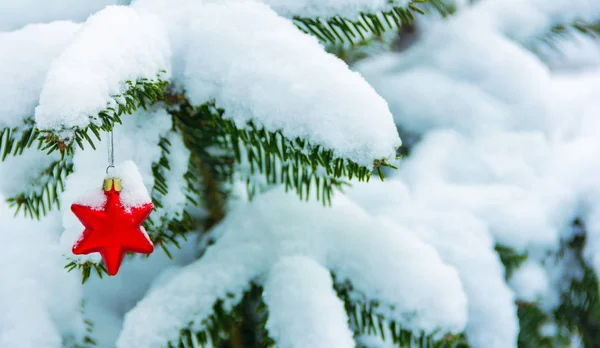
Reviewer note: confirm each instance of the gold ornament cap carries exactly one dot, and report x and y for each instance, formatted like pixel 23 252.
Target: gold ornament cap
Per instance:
pixel 109 183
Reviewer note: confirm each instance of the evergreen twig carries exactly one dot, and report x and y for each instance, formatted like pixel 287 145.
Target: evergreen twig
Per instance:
pixel 139 94
pixel 297 164
pixel 87 341
pixel 215 330
pixel 13 141
pixel 339 30
pixel 86 269
pixel 364 319
pixel 165 230
pixel 44 194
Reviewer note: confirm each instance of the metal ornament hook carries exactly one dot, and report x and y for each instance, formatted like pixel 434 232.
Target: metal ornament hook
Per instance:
pixel 111 152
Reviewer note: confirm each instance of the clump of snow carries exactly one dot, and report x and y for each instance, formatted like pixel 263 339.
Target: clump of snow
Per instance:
pixel 16 14
pixel 108 299
pixel 548 330
pixel 522 20
pixel 508 154
pixel 529 281
pixel 26 57
pixel 133 191
pixel 113 46
pixel 35 292
pixel 383 262
pixel 463 241
pixel 96 199
pixel 304 310
pixel 251 70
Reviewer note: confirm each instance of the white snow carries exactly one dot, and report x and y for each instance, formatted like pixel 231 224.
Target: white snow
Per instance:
pixel 504 143
pixel 251 70
pixel 507 152
pixel 383 262
pixel 25 60
pixel 114 45
pixel 16 14
pixel 35 292
pixel 523 20
pixel 304 310
pixel 108 299
pixel 133 191
pixel 463 241
pixel 95 198
pixel 529 282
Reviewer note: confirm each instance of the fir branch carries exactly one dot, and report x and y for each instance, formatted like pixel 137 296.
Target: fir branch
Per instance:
pixel 297 164
pixel 579 310
pixel 531 319
pixel 86 269
pixel 339 30
pixel 214 170
pixel 563 32
pixel 44 194
pixel 510 259
pixel 139 94
pixel 210 171
pixel 13 141
pixel 216 329
pixel 364 319
pixel 165 230
pixel 87 340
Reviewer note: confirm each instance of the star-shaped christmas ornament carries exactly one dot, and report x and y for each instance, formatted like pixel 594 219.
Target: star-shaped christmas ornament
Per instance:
pixel 113 230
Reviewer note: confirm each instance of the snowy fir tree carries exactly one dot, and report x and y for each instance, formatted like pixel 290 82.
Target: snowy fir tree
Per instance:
pixel 263 138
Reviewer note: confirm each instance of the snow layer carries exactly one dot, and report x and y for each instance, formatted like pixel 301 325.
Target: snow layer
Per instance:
pixel 35 292
pixel 25 60
pixel 423 292
pixel 113 46
pixel 522 20
pixel 133 191
pixel 108 299
pixel 463 241
pixel 530 282
pixel 14 14
pixel 304 310
pixel 508 154
pixel 253 72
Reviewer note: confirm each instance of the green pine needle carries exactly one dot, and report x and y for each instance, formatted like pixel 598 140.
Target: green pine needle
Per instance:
pixel 340 30
pixel 13 141
pixel 86 269
pixel 298 165
pixel 364 319
pixel 162 230
pixel 43 196
pixel 137 95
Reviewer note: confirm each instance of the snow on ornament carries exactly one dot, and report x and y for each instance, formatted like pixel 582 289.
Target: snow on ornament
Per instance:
pixel 113 217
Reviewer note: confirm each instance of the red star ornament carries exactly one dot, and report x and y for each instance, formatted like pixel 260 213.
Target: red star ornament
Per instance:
pixel 113 230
